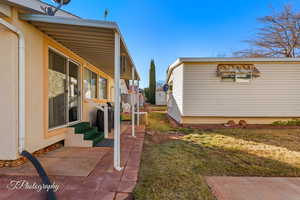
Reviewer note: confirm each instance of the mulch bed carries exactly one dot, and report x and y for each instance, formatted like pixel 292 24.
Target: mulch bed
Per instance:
pixel 248 126
pixel 22 160
pixel 229 125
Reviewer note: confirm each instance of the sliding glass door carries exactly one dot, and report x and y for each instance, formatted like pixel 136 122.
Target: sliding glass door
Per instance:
pixel 63 90
pixel 57 89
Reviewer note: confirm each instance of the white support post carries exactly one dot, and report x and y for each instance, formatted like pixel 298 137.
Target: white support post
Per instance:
pixel 106 120
pixel 132 104
pixel 117 150
pixel 138 102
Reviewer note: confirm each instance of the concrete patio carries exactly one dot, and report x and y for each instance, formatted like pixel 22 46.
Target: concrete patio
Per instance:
pixel 254 188
pixel 65 161
pixel 102 182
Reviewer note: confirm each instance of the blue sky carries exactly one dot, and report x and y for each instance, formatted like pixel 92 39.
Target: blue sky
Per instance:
pixel 164 30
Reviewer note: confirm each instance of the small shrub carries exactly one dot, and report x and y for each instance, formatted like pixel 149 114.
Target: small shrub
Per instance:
pixel 293 122
pixel 279 123
pixel 187 130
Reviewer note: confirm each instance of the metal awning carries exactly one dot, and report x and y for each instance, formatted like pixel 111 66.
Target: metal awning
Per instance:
pixel 93 40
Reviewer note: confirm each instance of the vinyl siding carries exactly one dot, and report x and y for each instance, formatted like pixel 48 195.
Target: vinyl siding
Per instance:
pixel 175 102
pixel 160 98
pixel 275 93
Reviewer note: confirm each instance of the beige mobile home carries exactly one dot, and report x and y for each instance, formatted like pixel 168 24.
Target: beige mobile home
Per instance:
pixel 216 90
pixel 55 71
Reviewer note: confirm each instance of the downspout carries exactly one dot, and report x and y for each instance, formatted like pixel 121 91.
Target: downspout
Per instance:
pixel 21 89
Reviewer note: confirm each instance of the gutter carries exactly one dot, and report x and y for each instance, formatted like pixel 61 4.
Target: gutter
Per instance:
pixel 21 88
pixel 182 60
pixel 172 67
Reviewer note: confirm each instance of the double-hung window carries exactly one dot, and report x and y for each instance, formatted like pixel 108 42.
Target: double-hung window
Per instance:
pixel 102 88
pixel 239 73
pixel 90 84
pixel 237 76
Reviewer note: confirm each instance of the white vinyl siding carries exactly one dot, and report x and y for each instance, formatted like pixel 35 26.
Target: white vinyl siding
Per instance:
pixel 160 98
pixel 275 94
pixel 175 101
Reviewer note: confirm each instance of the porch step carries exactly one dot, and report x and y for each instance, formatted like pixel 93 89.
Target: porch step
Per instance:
pixel 76 140
pixel 81 127
pixel 89 133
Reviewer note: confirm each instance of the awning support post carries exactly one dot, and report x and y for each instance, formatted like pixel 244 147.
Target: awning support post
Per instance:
pixel 132 104
pixel 138 102
pixel 117 121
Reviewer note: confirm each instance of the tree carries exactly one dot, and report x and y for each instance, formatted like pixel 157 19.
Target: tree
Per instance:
pixel 152 83
pixel 146 93
pixel 279 37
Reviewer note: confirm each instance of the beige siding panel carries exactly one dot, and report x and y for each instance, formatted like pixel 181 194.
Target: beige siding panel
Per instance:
pixel 175 102
pixel 9 95
pixel 89 111
pixel 275 94
pixel 34 138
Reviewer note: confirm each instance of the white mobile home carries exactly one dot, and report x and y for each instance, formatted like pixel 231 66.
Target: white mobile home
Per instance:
pixel 216 90
pixel 160 97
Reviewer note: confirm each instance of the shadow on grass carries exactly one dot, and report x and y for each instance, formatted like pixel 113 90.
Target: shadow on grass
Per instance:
pixel 285 138
pixel 174 169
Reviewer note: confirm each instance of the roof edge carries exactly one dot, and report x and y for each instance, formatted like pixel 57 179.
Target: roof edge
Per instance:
pixel 70 21
pixel 182 60
pixel 81 22
pixel 236 59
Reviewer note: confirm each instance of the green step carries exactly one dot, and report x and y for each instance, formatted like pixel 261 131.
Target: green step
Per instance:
pixel 90 133
pixel 98 138
pixel 81 127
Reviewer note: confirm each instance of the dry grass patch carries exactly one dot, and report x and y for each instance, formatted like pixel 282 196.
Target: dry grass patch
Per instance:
pixel 158 108
pixel 228 155
pixel 158 122
pixel 174 168
pixel 168 172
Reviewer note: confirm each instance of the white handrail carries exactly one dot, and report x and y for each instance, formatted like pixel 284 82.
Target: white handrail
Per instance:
pixel 132 104
pixel 104 108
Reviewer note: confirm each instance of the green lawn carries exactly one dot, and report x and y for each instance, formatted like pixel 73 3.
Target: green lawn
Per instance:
pixel 174 168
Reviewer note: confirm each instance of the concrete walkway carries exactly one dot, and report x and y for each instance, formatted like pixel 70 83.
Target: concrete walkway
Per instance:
pixel 254 188
pixel 103 183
